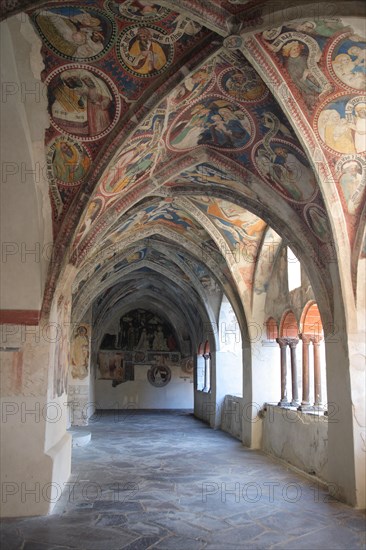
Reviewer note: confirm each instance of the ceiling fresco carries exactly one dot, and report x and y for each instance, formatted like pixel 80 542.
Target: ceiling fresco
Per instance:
pixel 183 135
pixel 324 64
pixel 224 107
pixel 100 58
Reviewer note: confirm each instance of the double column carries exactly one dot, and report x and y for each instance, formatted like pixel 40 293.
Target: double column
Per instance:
pixel 292 343
pixel 305 403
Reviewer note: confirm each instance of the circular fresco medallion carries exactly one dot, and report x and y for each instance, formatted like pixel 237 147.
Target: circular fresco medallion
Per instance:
pixel 213 121
pixel 67 161
pixel 145 51
pixel 83 101
pixel 159 376
pixel 286 169
pixel 346 61
pixel 233 42
pixel 136 10
pixel 242 86
pixel 75 32
pixel 317 220
pixel 341 124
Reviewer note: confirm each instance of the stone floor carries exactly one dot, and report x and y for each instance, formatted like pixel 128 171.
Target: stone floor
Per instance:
pixel 166 481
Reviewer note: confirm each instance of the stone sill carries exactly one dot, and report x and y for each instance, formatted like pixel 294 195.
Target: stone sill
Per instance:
pixel 311 413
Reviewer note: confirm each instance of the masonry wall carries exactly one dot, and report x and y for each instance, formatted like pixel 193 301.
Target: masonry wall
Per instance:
pixel 140 394
pixel 297 438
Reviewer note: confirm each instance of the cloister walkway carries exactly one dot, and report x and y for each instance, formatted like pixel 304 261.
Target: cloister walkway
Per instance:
pixel 165 480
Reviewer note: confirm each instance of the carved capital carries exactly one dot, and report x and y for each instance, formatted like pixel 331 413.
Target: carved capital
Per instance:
pixel 292 342
pixel 306 338
pixel 316 340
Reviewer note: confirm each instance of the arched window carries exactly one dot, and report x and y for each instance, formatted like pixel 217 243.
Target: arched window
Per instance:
pixel 271 329
pixel 293 270
pixel 203 377
pixel 288 340
pixel 200 373
pixel 289 328
pixel 312 323
pixel 207 359
pixel 313 363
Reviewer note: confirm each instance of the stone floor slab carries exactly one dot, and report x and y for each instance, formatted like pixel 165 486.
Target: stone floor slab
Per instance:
pixel 166 481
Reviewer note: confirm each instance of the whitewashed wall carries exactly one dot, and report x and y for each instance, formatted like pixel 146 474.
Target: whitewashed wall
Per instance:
pixel 140 394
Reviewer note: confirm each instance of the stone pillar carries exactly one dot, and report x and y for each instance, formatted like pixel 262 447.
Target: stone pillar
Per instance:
pixel 317 376
pixel 305 403
pixel 292 342
pixel 283 347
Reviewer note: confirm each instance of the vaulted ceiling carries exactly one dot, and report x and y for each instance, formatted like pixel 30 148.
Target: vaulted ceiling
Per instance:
pixel 186 137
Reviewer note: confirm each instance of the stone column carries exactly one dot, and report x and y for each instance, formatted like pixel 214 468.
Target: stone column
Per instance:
pixel 207 386
pixel 317 376
pixel 205 378
pixel 283 347
pixel 295 392
pixel 305 403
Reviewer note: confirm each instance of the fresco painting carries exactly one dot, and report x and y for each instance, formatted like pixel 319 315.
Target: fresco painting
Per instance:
pixel 194 85
pixel 142 51
pixel 243 86
pixel 299 54
pixel 348 61
pixel 317 220
pixel 164 214
pixel 207 108
pixel 163 261
pixel 299 49
pixel 81 102
pixel 351 172
pixel 75 32
pixel 80 352
pixel 322 58
pixel 203 173
pixel 159 375
pixel 169 216
pixel 272 126
pixel 123 263
pixel 213 121
pixel 111 367
pixel 93 211
pixel 137 10
pixel 130 166
pixel 61 358
pixel 286 168
pixel 233 219
pixel 143 330
pixel 341 124
pixel 86 99
pixel 68 161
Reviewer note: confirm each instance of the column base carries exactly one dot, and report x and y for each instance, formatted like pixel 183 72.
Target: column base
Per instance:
pixel 283 403
pixel 305 407
pixel 319 407
pixel 295 404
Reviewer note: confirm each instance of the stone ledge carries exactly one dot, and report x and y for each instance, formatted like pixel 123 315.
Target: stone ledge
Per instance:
pixel 80 438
